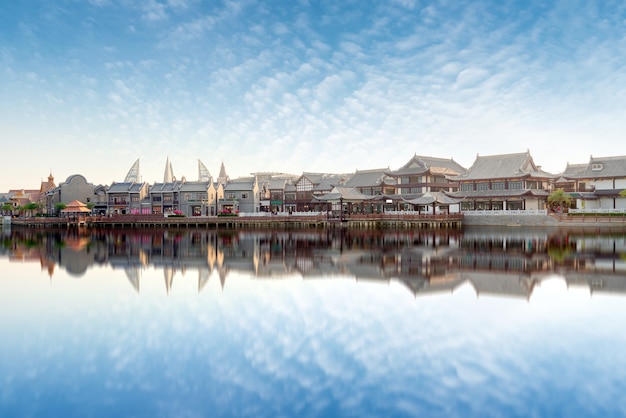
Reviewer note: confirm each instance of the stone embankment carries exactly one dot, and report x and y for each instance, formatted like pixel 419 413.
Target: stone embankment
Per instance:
pixel 551 220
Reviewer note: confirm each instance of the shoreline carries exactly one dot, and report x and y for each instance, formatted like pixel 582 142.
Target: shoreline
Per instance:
pixel 374 221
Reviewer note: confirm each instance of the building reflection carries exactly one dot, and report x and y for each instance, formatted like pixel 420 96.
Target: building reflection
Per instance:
pixel 494 262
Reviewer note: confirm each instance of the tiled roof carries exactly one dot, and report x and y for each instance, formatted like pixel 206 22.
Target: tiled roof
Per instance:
pixel 368 178
pixel 498 193
pixel 421 164
pixel 165 187
pixel 348 194
pixel 195 186
pixel 240 184
pixel 501 167
pixel 277 184
pixel 573 169
pixel 609 167
pixel 120 187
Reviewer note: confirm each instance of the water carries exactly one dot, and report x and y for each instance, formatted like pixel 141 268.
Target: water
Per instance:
pixel 512 323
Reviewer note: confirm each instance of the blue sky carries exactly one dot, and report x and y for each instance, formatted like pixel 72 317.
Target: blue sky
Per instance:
pixel 88 87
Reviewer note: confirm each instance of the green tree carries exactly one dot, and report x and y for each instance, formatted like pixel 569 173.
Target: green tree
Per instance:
pixel 30 208
pixel 623 193
pixel 59 207
pixel 7 208
pixel 559 198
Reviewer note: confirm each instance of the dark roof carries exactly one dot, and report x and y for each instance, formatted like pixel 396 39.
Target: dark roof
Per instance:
pixel 347 194
pixel 369 178
pixel 573 169
pixel 499 193
pixel 429 198
pixel 120 187
pixel 240 184
pixel 195 186
pixel 501 167
pixel 421 164
pixel 599 167
pixel 164 187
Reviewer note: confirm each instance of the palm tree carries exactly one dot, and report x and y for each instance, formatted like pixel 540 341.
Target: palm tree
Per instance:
pixel 559 198
pixel 6 208
pixel 59 207
pixel 31 207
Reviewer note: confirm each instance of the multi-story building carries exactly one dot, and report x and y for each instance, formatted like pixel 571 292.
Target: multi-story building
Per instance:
pixel 128 198
pixel 76 187
pixel 426 174
pixel 165 197
pixel 503 182
pixel 318 184
pixel 240 195
pixel 597 184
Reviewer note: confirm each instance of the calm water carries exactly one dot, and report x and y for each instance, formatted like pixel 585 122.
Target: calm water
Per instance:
pixel 517 323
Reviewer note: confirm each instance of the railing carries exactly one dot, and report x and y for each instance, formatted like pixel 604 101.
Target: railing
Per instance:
pixel 530 212
pixel 597 211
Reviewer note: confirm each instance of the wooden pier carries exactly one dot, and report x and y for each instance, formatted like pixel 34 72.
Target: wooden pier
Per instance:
pixel 373 221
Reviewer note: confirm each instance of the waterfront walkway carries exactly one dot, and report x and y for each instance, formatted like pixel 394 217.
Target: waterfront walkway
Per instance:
pixel 317 220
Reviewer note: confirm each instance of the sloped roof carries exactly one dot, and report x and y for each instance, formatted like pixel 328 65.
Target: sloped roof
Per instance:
pixel 610 167
pixel 369 178
pixel 574 169
pixel 120 187
pixel 438 198
pixel 327 183
pixel 277 184
pixel 240 184
pixel 75 206
pixel 421 164
pixel 347 194
pixel 328 178
pixel 502 166
pixel 499 193
pixel 195 186
pixel 165 187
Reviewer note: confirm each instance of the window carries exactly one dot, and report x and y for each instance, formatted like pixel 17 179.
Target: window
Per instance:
pixel 230 195
pixel 515 185
pixel 596 167
pixel 244 195
pixel 467 187
pixel 498 185
pixel 482 186
pixel 304 185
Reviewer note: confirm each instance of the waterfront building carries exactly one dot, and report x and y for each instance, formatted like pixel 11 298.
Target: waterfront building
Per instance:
pixel 164 197
pixel 129 196
pixel 44 189
pixel 597 184
pixel 100 202
pixel 372 182
pixel 503 182
pixel 76 187
pixel 240 195
pixel 315 184
pixel 272 190
pixel 423 174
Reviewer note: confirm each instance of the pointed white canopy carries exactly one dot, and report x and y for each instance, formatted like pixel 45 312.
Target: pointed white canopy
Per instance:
pixel 133 173
pixel 168 177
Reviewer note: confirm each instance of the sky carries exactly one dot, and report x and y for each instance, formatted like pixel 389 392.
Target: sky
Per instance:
pixel 89 87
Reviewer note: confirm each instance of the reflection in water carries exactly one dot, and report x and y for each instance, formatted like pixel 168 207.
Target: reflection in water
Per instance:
pixel 261 344
pixel 497 262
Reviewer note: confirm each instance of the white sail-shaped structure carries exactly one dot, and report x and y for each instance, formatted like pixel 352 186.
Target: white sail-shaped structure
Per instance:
pixel 133 173
pixel 203 172
pixel 168 176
